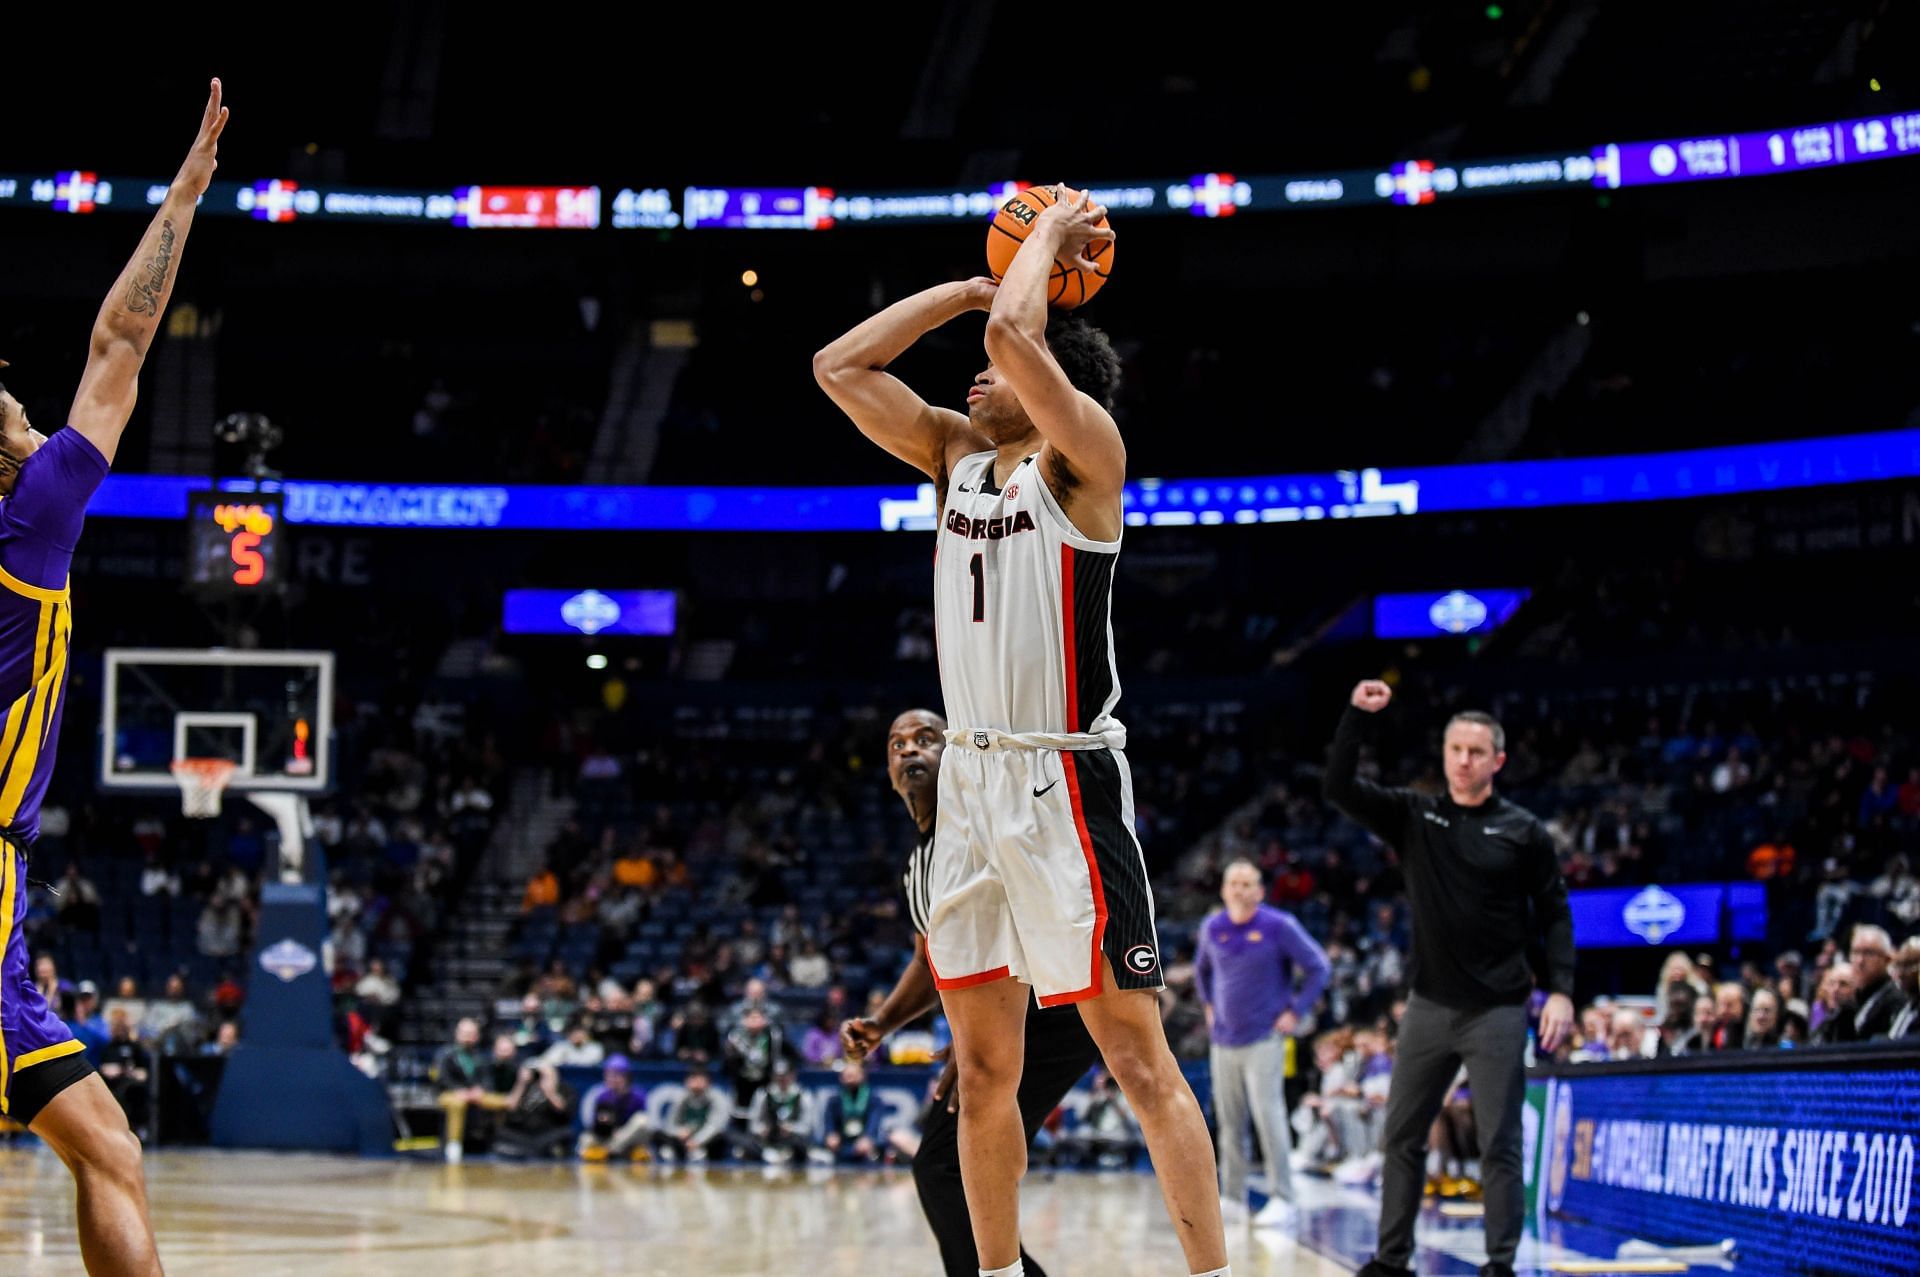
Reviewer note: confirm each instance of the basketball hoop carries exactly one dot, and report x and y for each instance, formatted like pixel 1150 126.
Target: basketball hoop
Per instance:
pixel 201 781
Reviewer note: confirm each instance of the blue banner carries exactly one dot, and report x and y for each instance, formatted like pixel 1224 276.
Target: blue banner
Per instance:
pixel 1295 498
pixel 1440 614
pixel 1802 1168
pixel 1691 913
pixel 644 612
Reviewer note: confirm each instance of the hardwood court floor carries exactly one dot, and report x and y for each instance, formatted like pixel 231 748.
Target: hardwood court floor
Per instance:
pixel 264 1214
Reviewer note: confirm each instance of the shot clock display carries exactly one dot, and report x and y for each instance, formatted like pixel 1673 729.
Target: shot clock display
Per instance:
pixel 232 541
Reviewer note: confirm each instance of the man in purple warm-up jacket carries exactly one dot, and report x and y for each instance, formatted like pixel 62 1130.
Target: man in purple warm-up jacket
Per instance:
pixel 1250 957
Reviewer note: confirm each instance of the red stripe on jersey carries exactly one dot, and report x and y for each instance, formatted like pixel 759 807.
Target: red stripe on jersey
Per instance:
pixel 1073 678
pixel 1092 989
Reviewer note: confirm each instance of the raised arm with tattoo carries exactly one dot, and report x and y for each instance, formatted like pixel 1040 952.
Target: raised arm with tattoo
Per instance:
pixel 130 316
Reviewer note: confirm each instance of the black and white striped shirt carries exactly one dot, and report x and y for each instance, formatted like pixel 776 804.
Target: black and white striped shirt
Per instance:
pixel 915 883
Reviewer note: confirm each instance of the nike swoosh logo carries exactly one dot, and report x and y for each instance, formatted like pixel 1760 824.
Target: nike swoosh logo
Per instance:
pixel 1042 793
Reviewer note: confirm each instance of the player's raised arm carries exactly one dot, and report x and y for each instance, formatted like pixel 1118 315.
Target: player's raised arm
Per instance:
pixel 1077 428
pixel 131 314
pixel 853 372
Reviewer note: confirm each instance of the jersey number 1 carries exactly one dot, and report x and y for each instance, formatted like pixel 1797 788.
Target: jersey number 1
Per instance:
pixel 979 569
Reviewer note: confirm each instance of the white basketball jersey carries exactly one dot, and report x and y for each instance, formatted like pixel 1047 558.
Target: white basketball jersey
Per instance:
pixel 1022 603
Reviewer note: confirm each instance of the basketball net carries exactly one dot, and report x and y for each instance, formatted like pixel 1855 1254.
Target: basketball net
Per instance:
pixel 201 781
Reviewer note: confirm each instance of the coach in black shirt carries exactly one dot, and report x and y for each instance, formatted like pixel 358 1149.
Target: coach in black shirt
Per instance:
pixel 1485 887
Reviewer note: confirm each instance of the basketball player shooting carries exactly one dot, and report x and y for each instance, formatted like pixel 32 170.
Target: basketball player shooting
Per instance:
pixel 1036 880
pixel 45 484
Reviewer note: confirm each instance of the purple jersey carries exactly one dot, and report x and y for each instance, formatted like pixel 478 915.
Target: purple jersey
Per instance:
pixel 39 527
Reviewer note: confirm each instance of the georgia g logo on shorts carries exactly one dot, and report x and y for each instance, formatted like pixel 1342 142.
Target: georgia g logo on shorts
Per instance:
pixel 1141 959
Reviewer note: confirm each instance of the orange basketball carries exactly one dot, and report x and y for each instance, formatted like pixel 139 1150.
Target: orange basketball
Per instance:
pixel 1068 285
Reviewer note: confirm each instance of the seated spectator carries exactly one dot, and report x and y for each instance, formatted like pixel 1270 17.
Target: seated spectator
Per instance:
pixel 780 1121
pixel 636 869
pixel 1794 1030
pixel 125 1066
pixel 1335 1124
pixel 851 1129
pixel 752 998
pixel 1373 1069
pixel 538 1115
pixel 576 1050
pixel 543 891
pixel 751 1050
pixel 377 988
pixel 1676 972
pixel 79 908
pixel 1763 1022
pixel 1906 974
pixel 347 945
pixel 530 1030
pixel 126 998
pixel 821 1045
pixel 224 1039
pixel 1107 1134
pixel 46 978
pixel 1453 1166
pixel 1899 891
pixel 1789 976
pixel 696 1125
pixel 1879 998
pixel 218 932
pixel 613 1116
pixel 462 1076
pixel 172 1024
pixel 1679 1035
pixel 809 968
pixel 1834 1005
pixel 1729 1017
pixel 696 1038
pixel 1592 1044
pixel 1627 1036
pixel 649 1015
pixel 86 1022
pixel 611 1021
pixel 157 879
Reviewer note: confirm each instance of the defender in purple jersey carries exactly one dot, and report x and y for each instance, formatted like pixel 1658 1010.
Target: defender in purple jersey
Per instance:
pixel 45 483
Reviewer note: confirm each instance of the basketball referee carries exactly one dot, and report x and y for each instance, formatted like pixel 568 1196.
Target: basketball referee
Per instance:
pixel 1486 890
pixel 1059 1050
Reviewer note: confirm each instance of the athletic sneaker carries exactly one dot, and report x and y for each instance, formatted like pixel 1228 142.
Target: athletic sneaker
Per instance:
pixel 1359 1170
pixel 454 1152
pixel 1279 1214
pixel 1491 1269
pixel 1233 1214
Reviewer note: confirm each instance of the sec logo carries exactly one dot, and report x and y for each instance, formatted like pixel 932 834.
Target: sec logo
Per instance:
pixel 1013 490
pixel 1142 959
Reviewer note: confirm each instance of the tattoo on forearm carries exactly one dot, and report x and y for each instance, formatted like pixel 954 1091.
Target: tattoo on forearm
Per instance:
pixel 143 294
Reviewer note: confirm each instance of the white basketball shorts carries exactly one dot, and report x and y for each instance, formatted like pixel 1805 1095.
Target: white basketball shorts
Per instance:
pixel 1036 872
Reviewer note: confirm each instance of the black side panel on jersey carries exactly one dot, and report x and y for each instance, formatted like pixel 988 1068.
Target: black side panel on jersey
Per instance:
pixel 1129 941
pixel 1092 668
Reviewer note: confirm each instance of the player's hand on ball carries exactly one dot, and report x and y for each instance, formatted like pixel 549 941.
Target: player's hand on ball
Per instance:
pixel 1372 696
pixel 197 171
pixel 859 1038
pixel 1078 218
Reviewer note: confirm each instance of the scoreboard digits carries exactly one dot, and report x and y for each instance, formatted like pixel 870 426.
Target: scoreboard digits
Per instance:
pixel 232 542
